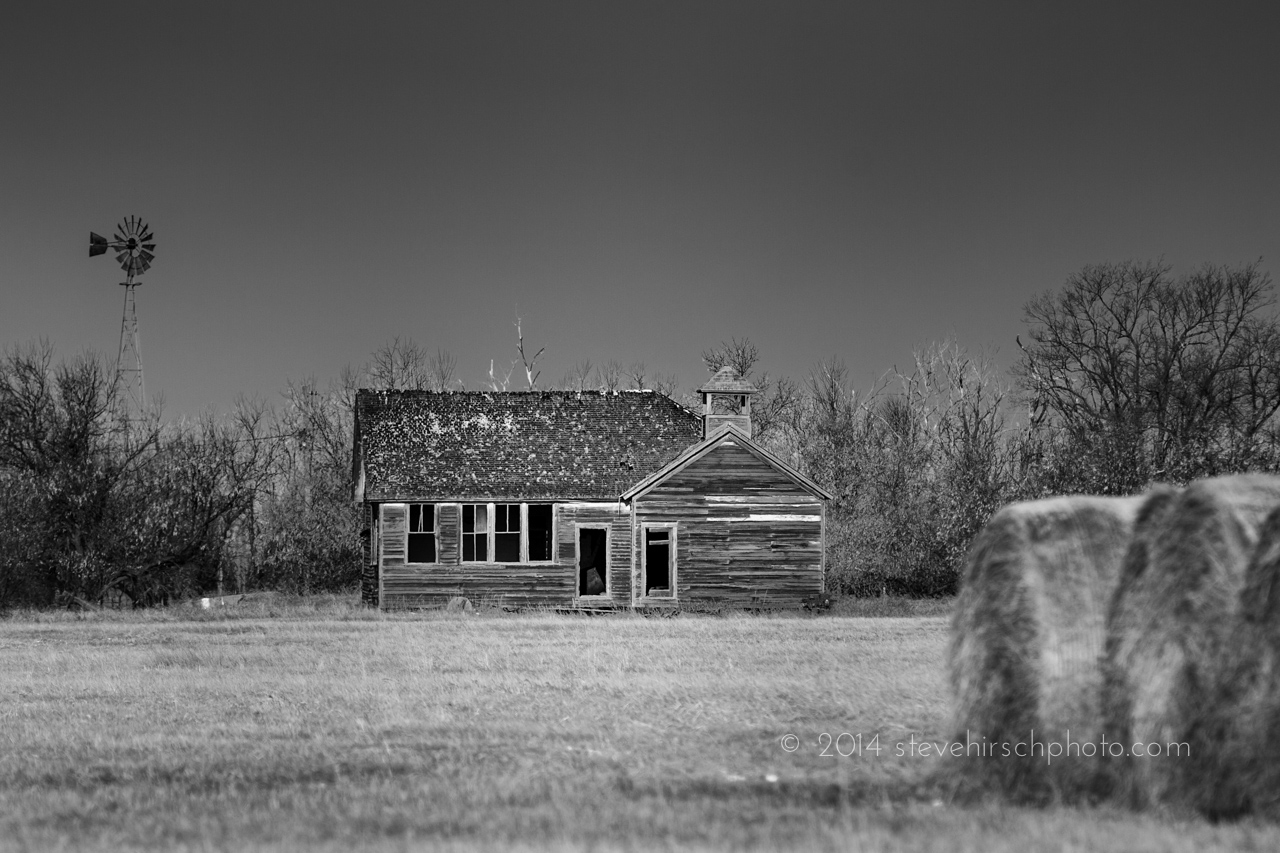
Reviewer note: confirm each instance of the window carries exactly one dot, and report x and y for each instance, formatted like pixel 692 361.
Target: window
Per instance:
pixel 508 533
pixel 659 561
pixel 422 533
pixel 540 533
pixel 475 533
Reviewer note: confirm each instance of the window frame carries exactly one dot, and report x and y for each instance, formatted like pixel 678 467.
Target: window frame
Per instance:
pixel 525 530
pixel 410 532
pixel 672 529
pixel 463 534
pixel 521 540
pixel 491 533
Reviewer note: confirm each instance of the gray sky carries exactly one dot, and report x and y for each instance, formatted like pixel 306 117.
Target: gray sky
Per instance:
pixel 637 181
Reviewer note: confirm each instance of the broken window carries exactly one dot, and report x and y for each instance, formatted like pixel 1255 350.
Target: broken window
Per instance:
pixel 593 548
pixel 422 533
pixel 475 533
pixel 506 533
pixel 540 523
pixel 659 556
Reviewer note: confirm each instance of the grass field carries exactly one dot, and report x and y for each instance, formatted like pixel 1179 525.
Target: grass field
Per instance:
pixel 327 727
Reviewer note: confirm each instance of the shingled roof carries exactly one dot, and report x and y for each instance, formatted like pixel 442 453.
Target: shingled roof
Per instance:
pixel 727 381
pixel 528 445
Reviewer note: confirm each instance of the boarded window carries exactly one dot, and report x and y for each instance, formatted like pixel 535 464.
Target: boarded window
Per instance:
pixel 506 533
pixel 475 533
pixel 422 533
pixel 657 561
pixel 540 523
pixel 391 536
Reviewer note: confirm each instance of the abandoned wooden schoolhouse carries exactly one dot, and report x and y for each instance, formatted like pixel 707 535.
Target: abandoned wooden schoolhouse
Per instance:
pixel 582 500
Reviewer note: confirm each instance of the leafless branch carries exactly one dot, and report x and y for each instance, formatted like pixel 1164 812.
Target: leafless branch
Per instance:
pixel 531 375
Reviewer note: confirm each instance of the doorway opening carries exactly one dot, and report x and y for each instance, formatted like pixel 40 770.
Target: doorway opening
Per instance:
pixel 593 568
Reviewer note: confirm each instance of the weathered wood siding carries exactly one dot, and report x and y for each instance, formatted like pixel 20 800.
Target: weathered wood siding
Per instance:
pixel 747 534
pixel 449 534
pixel 507 584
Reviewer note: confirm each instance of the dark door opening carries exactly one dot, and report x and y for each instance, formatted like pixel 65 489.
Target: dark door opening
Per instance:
pixel 657 561
pixel 592 568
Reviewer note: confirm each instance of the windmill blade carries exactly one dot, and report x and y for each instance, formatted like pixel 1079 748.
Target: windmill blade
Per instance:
pixel 134 245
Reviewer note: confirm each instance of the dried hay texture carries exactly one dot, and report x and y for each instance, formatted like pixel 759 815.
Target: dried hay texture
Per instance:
pixel 1237 765
pixel 1170 631
pixel 1027 640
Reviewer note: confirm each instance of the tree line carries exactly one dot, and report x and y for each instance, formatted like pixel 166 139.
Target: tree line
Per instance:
pixel 1128 375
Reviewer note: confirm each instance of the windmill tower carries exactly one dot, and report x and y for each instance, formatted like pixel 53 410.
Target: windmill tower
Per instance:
pixel 134 246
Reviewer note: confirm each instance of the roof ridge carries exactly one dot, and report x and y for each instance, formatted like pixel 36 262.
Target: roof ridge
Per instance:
pixel 485 391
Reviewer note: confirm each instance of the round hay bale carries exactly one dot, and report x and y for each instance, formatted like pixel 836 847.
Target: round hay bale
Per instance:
pixel 1026 642
pixel 1169 631
pixel 1237 742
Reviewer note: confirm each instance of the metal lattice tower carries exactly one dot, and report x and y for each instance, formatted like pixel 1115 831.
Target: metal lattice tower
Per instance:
pixel 129 378
pixel 134 246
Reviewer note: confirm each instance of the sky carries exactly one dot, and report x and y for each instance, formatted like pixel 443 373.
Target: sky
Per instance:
pixel 634 181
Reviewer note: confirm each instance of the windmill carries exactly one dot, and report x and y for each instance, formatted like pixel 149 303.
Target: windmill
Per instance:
pixel 134 246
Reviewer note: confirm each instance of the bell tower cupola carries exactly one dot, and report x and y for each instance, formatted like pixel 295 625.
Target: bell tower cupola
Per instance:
pixel 726 399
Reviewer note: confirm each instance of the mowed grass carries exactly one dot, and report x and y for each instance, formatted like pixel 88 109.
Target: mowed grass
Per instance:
pixel 327 727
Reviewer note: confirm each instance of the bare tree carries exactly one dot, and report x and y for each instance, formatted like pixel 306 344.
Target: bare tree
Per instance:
pixel 178 515
pixel 123 507
pixel 530 372
pixel 740 355
pixel 668 386
pixel 400 365
pixel 309 532
pixel 609 376
pixel 442 369
pixel 348 382
pixel 59 423
pixel 1147 376
pixel 578 377
pixel 499 381
pixel 637 373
